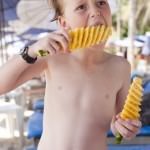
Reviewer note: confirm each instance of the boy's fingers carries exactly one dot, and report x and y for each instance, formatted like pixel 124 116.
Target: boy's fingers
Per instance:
pixel 135 123
pixel 60 39
pixel 124 131
pixel 131 127
pixel 52 50
pixel 121 129
pixel 118 116
pixel 66 34
pixel 118 127
pixel 55 45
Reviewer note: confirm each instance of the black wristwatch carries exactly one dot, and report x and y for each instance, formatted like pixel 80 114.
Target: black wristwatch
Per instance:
pixel 26 57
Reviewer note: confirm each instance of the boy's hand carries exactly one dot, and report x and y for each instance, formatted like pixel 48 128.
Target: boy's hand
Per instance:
pixel 127 128
pixel 54 42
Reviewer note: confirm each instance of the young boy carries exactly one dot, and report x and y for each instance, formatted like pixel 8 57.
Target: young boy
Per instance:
pixel 84 89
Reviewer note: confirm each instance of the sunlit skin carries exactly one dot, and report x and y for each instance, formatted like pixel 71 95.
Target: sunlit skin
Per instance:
pixel 82 118
pixel 85 90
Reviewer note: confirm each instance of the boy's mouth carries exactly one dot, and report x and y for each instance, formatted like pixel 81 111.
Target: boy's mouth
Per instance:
pixel 96 24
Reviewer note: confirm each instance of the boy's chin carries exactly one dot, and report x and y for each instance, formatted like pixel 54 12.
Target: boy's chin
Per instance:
pixel 93 48
pixel 99 45
pixel 96 47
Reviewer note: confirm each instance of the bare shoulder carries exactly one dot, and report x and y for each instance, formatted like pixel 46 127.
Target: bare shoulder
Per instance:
pixel 119 68
pixel 119 62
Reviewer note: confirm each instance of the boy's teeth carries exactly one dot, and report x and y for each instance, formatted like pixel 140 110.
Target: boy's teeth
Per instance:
pixel 97 24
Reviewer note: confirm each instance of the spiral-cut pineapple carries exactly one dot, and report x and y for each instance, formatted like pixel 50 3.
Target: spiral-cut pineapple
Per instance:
pixel 132 108
pixel 85 37
pixel 132 104
pixel 89 36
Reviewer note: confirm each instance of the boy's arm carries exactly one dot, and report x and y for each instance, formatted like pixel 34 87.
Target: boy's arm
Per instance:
pixel 16 71
pixel 122 93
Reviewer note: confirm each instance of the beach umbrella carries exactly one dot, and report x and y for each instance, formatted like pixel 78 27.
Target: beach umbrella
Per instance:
pixel 7 13
pixel 10 26
pixel 36 13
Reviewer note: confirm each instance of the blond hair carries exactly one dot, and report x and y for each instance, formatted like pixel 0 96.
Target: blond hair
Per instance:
pixel 56 5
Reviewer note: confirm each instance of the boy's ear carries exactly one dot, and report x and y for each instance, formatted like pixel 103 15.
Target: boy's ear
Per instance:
pixel 62 22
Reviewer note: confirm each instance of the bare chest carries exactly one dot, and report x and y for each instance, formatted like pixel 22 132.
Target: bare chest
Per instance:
pixel 92 90
pixel 96 82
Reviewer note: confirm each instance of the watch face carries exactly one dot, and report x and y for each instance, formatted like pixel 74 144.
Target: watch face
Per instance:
pixel 22 51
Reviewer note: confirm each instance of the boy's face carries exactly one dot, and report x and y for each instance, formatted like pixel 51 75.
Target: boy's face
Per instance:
pixel 82 13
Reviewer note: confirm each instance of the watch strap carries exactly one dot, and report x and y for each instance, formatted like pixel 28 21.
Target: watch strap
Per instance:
pixel 26 56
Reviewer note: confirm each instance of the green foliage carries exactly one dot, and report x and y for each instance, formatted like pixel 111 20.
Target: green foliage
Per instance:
pixel 114 22
pixel 124 2
pixel 124 30
pixel 144 30
pixel 142 17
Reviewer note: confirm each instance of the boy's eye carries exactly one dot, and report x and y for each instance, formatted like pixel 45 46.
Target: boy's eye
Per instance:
pixel 101 3
pixel 81 7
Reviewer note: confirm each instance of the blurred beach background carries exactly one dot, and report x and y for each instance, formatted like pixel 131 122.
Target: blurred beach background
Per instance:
pixel 23 22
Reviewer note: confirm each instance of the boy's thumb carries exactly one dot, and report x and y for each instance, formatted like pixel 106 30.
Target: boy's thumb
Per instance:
pixel 118 116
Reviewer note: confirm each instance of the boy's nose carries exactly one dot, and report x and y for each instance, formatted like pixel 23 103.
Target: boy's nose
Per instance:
pixel 95 12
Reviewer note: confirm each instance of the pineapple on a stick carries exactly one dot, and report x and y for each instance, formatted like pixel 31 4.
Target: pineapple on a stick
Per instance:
pixel 131 109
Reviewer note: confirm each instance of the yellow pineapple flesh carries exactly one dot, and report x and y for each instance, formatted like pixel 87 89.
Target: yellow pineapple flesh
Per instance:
pixel 89 36
pixel 131 108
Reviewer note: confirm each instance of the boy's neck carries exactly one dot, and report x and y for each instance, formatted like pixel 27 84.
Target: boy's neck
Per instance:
pixel 92 55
